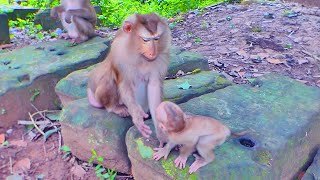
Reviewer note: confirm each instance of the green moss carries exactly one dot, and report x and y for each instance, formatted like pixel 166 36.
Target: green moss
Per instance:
pixel 176 173
pixel 222 81
pixel 145 151
pixel 198 70
pixel 263 156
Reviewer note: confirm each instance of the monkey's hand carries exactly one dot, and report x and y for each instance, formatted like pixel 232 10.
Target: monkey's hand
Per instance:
pixel 181 161
pixel 161 152
pixel 137 119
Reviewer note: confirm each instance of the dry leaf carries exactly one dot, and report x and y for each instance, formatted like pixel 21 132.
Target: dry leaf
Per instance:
pixel 189 44
pixel 2 138
pixel 274 61
pixel 19 143
pixel 22 165
pixel 78 171
pixel 243 53
pixel 241 73
pixel 237 69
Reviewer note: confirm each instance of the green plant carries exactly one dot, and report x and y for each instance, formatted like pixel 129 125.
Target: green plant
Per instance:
pixel 35 93
pixel 197 40
pixel 100 171
pixel 256 29
pixel 27 24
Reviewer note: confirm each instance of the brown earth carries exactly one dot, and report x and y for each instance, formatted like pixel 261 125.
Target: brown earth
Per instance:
pixel 241 41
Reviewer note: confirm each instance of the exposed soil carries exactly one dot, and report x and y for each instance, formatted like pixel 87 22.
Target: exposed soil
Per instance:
pixel 241 41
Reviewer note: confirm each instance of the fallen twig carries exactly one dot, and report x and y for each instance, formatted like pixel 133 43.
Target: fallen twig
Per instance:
pixel 34 123
pixel 24 122
pixel 311 55
pixel 10 162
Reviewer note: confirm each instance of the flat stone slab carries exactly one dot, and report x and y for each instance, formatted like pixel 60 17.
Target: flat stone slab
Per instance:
pixel 85 127
pixel 283 119
pixel 313 171
pixel 74 85
pixel 29 75
pixel 17 11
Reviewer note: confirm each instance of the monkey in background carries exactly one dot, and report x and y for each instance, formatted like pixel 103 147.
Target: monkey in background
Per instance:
pixel 130 80
pixel 78 17
pixel 193 132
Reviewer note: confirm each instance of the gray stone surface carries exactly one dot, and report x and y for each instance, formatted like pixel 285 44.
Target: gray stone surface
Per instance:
pixel 85 127
pixel 283 119
pixel 4 29
pixel 313 172
pixel 30 74
pixel 16 11
pixel 74 85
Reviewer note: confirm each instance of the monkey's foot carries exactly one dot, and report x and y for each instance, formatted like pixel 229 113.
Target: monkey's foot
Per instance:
pixel 198 163
pixel 121 111
pixel 77 41
pixel 180 162
pixel 64 36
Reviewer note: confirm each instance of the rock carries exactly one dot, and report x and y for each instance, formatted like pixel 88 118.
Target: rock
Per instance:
pixel 313 171
pixel 85 127
pixel 43 18
pixel 15 12
pixel 48 23
pixel 4 29
pixel 283 119
pixel 74 85
pixel 29 75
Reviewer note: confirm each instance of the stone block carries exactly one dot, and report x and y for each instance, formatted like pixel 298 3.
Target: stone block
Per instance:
pixel 283 120
pixel 29 75
pixel 4 29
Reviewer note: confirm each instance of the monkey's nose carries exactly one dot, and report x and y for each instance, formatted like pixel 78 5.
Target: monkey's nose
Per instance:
pixel 151 56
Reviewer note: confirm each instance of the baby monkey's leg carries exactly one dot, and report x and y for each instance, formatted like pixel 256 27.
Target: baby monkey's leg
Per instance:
pixel 205 147
pixel 185 152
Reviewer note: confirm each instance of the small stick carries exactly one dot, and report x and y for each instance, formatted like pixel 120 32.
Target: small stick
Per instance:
pixel 311 55
pixel 35 125
pixel 10 161
pixel 23 122
pixel 60 141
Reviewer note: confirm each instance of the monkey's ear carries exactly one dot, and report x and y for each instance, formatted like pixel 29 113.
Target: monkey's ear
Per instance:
pixel 127 27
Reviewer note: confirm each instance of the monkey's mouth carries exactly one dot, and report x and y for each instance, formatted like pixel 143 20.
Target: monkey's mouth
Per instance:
pixel 149 59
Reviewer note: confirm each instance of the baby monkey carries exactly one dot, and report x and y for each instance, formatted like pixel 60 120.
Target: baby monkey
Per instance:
pixel 192 132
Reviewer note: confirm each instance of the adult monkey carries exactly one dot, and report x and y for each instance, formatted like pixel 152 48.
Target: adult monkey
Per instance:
pixel 129 81
pixel 78 17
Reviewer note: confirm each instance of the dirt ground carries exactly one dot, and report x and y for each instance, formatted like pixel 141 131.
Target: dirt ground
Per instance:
pixel 240 41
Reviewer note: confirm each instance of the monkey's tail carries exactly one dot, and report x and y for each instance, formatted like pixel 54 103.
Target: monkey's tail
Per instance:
pixel 239 134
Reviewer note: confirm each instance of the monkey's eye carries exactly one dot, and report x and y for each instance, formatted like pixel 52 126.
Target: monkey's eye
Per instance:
pixel 157 38
pixel 145 39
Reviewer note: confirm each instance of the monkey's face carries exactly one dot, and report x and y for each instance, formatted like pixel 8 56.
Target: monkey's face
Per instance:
pixel 146 34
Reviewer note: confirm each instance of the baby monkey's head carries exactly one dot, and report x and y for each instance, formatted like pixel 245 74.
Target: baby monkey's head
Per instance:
pixel 170 117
